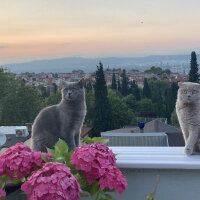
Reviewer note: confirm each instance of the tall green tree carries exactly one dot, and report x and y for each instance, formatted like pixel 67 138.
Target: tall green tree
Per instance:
pixel 146 108
pixel 174 119
pixel 114 83
pixel 90 103
pixel 131 102
pixel 121 114
pixel 125 82
pixel 134 89
pixel 169 103
pixel 88 87
pixel 193 74
pixel 170 100
pixel 20 105
pixel 146 90
pixel 53 99
pixel 174 89
pixel 102 118
pixel 119 88
pixel 55 88
pixel 44 90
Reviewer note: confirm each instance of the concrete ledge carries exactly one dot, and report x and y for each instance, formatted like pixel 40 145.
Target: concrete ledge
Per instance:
pixel 155 158
pixel 179 174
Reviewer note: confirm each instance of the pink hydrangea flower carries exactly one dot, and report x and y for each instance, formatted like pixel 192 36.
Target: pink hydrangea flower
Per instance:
pixel 19 161
pixel 52 181
pixel 113 179
pixel 93 160
pixel 104 150
pixel 98 162
pixel 2 193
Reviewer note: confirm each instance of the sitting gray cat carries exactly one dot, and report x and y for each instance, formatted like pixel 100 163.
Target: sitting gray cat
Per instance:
pixel 187 109
pixel 63 120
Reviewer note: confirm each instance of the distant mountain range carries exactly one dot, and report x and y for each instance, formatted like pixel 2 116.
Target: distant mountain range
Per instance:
pixel 68 64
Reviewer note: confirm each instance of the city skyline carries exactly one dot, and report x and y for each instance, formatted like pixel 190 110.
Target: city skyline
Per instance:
pixel 49 29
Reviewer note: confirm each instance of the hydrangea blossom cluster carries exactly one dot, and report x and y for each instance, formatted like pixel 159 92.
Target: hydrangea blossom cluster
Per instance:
pixel 52 181
pixel 98 162
pixel 19 161
pixel 113 179
pixel 2 193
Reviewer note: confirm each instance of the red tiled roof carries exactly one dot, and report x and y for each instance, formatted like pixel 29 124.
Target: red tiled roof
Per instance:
pixel 85 130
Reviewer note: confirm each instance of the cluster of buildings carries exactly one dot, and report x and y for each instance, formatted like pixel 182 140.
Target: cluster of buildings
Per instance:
pixel 48 79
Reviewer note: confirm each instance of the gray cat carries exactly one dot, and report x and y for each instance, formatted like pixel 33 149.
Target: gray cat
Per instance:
pixel 187 109
pixel 63 120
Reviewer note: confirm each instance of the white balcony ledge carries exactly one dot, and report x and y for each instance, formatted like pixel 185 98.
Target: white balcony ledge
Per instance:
pixel 155 158
pixel 179 174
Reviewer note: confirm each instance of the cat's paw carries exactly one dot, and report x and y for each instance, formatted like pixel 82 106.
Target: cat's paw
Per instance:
pixel 188 151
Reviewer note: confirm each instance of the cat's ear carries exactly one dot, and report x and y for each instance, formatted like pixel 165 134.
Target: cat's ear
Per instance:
pixel 180 84
pixel 82 82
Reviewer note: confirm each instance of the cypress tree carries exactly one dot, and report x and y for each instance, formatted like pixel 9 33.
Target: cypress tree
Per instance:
pixel 174 88
pixel 124 83
pixel 102 107
pixel 114 83
pixel 169 103
pixel 88 87
pixel 135 90
pixel 193 74
pixel 146 90
pixel 159 104
pixel 119 86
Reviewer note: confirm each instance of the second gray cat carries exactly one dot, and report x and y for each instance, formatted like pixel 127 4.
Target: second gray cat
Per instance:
pixel 63 120
pixel 188 112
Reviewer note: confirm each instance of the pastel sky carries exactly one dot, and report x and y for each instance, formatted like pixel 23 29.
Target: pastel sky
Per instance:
pixel 34 29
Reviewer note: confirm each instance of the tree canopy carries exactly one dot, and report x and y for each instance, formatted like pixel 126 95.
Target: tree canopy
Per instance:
pixel 158 70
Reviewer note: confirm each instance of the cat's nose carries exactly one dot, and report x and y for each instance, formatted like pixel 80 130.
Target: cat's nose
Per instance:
pixel 189 96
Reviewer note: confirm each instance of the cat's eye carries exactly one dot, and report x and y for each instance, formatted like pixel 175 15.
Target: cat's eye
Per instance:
pixel 184 91
pixel 194 92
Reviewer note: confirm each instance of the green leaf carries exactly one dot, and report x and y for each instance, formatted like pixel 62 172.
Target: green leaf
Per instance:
pixel 61 147
pixel 24 179
pixel 51 151
pixel 16 181
pixel 60 159
pixel 68 159
pixel 94 188
pixel 150 196
pixel 44 157
pixel 3 180
pixel 89 140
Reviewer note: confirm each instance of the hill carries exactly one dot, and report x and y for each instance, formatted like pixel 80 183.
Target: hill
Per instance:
pixel 68 64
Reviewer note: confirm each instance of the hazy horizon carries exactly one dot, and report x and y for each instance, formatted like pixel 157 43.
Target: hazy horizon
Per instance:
pixel 27 60
pixel 45 29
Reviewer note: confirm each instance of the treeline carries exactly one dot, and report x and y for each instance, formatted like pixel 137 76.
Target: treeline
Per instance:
pixel 19 103
pixel 158 70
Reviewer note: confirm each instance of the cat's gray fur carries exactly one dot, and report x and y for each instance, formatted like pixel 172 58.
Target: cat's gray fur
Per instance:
pixel 63 120
pixel 188 112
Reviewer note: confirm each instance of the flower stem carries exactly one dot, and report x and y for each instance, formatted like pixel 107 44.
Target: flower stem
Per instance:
pixel 97 197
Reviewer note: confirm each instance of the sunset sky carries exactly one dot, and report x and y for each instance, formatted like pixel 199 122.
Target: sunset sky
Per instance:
pixel 35 29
